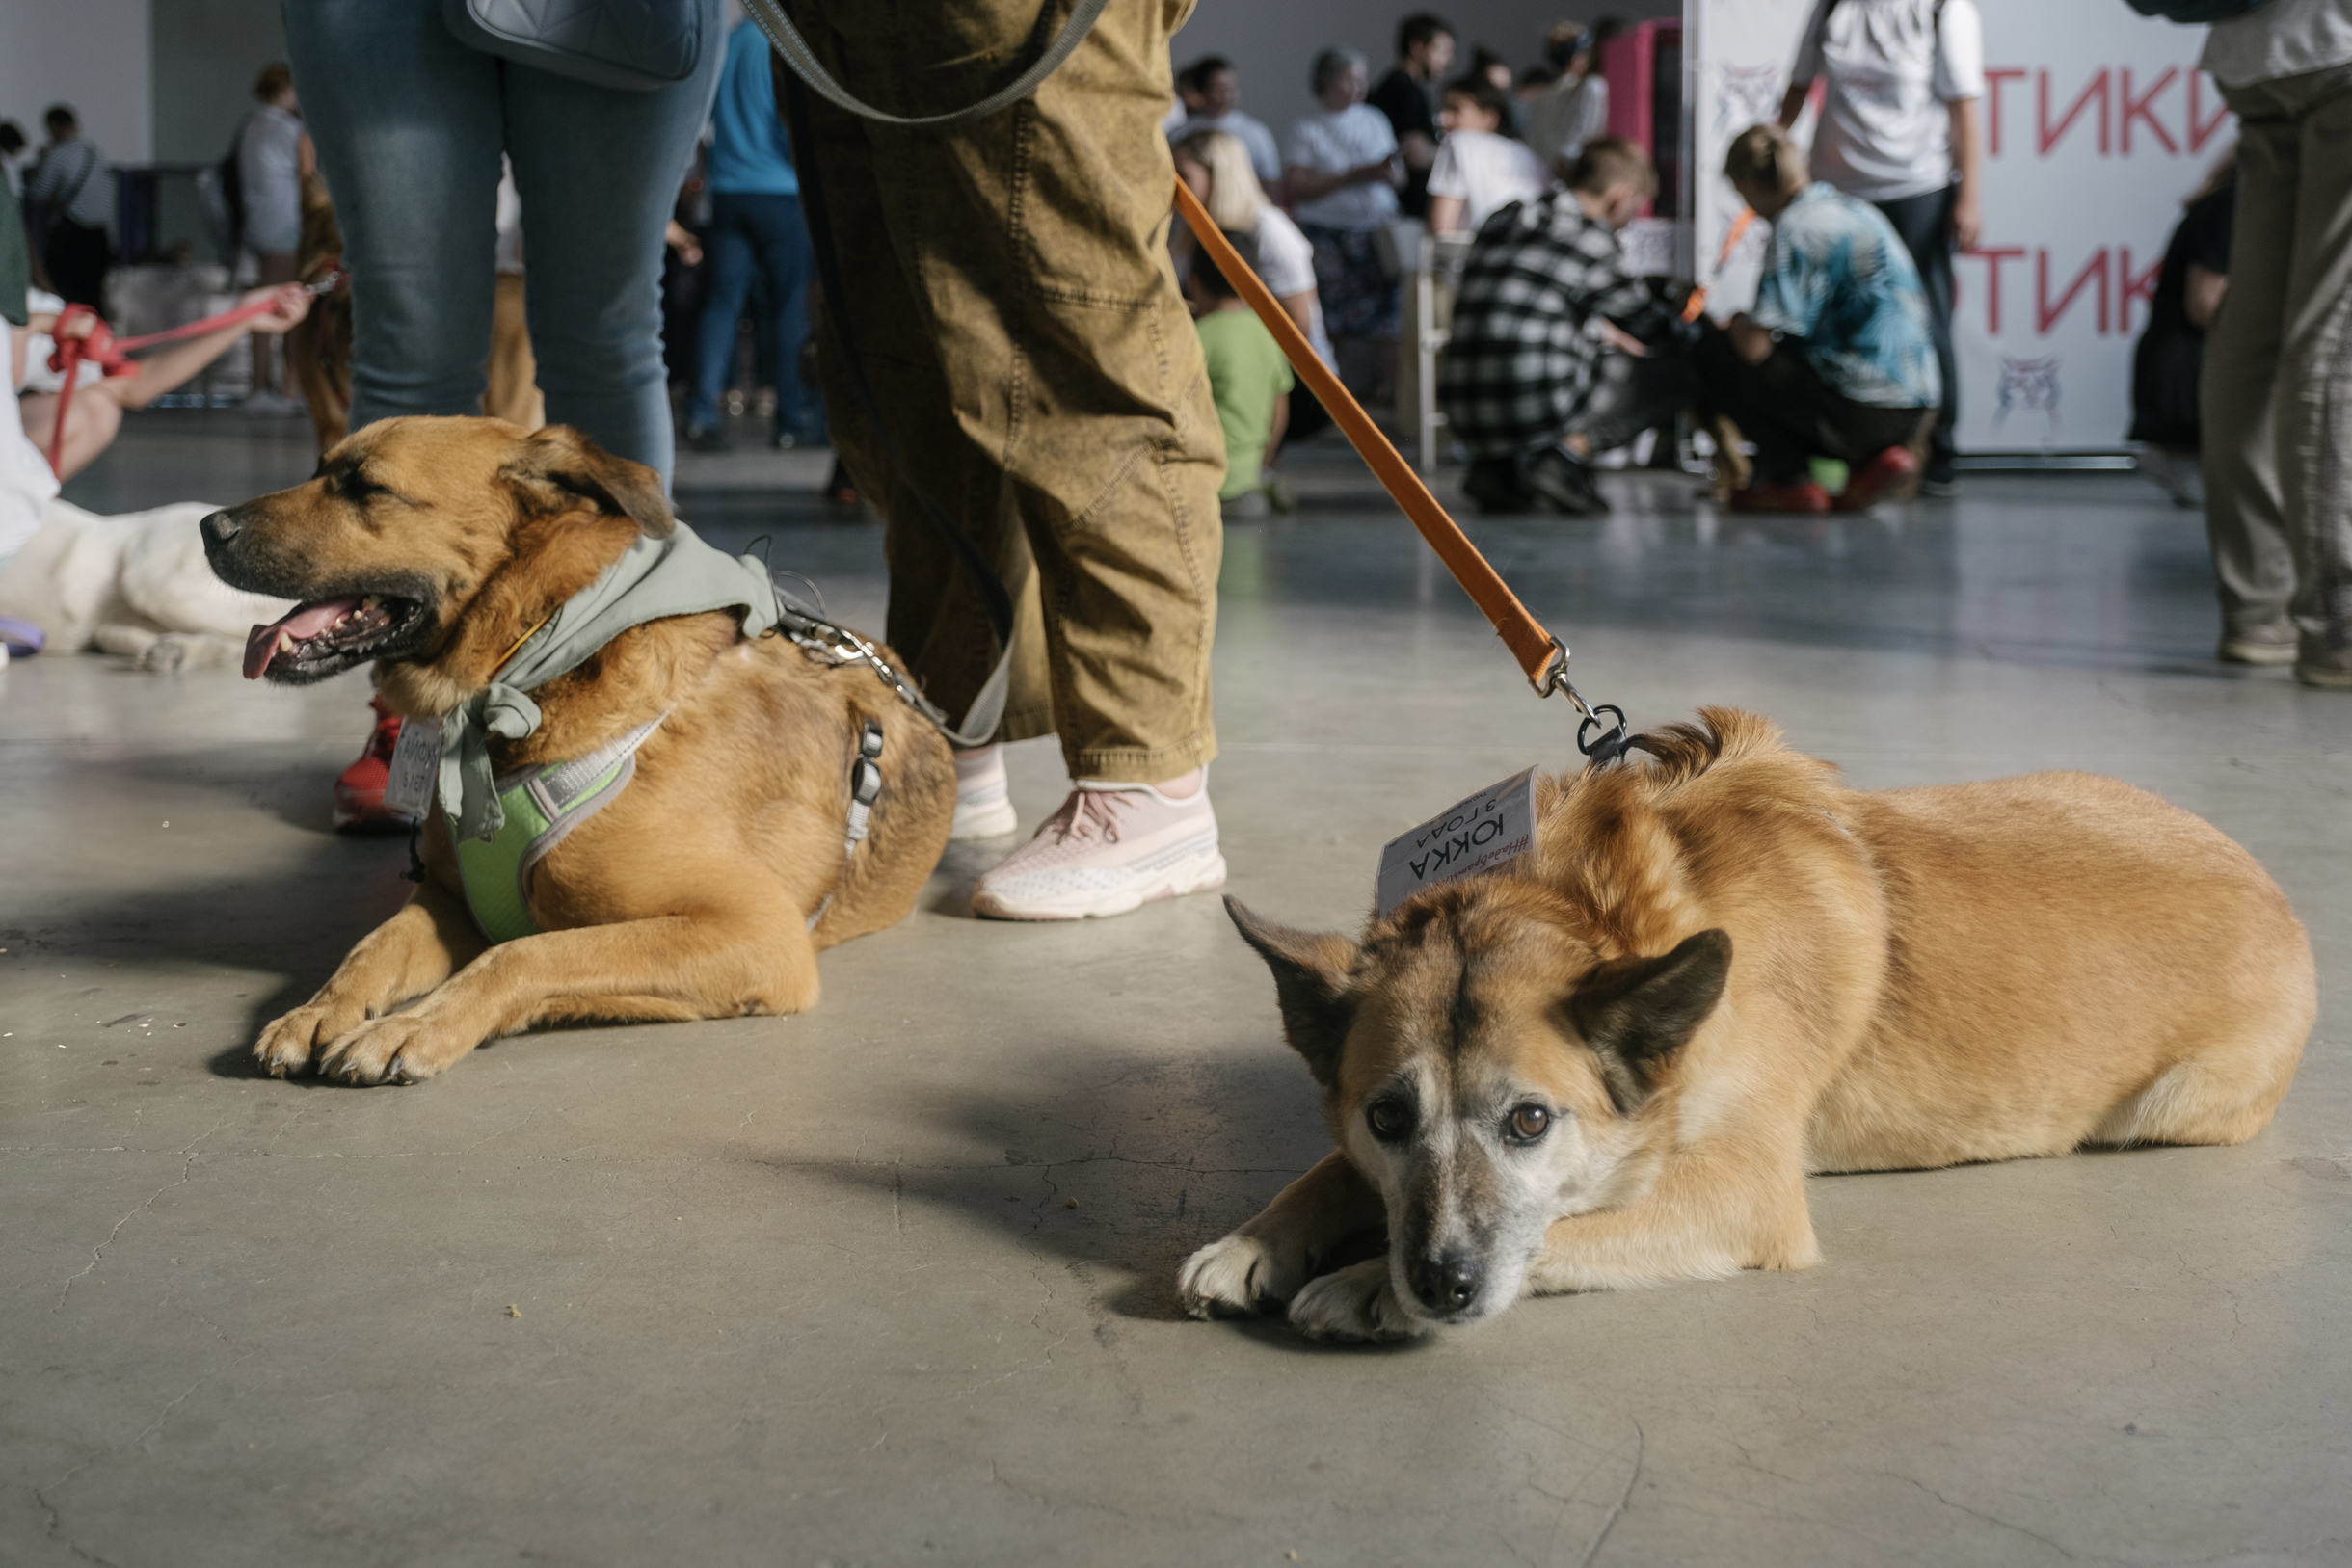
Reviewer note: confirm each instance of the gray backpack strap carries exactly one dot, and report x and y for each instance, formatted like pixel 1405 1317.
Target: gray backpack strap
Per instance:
pixel 797 54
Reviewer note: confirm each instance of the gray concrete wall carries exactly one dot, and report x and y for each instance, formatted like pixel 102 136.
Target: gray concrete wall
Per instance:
pixel 207 53
pixel 92 54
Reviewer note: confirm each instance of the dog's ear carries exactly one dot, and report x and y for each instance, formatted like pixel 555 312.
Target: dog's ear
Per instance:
pixel 1637 1012
pixel 559 459
pixel 1310 986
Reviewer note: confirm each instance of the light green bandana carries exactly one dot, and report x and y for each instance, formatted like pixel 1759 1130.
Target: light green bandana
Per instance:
pixel 678 575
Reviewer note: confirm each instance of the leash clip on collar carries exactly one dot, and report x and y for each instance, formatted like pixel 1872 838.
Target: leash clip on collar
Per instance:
pixel 1609 745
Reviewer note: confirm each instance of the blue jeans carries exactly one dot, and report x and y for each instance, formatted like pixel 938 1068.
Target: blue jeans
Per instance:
pixel 749 230
pixel 409 124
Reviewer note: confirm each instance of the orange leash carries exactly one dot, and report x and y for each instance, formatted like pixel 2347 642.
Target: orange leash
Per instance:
pixel 1698 301
pixel 1543 656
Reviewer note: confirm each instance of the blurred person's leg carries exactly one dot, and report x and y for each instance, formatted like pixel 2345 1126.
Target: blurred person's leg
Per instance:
pixel 1774 403
pixel 408 124
pixel 1023 332
pixel 1924 223
pixel 1630 394
pixel 732 253
pixel 76 257
pixel 2313 399
pixel 784 258
pixel 598 169
pixel 2253 566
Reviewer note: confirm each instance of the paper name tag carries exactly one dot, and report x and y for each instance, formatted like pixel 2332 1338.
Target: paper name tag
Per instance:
pixel 1494 826
pixel 416 767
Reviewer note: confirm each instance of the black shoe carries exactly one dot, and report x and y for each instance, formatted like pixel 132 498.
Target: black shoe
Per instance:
pixel 703 437
pixel 1566 481
pixel 1494 482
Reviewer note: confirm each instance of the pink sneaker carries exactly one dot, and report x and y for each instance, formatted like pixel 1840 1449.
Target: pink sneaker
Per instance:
pixel 1110 849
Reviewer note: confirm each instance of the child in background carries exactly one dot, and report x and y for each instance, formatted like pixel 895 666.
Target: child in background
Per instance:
pixel 1480 168
pixel 1248 378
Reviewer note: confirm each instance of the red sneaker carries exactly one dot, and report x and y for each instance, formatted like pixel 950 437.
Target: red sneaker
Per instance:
pixel 1781 495
pixel 358 795
pixel 1875 478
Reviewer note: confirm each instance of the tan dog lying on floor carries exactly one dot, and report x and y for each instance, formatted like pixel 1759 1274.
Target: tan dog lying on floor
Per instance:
pixel 1613 1062
pixel 442 543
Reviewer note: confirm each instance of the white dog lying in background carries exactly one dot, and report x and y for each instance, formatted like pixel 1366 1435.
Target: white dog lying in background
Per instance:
pixel 135 584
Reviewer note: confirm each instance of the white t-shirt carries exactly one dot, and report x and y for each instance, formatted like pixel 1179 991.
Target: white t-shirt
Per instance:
pixel 1286 262
pixel 269 179
pixel 1892 71
pixel 1488 171
pixel 1265 159
pixel 26 483
pixel 1332 143
pixel 2285 38
pixel 1568 115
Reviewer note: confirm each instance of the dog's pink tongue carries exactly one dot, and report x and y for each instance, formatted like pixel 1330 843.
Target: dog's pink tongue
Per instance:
pixel 307 621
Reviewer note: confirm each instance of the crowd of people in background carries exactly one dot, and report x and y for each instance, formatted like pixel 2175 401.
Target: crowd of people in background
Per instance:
pixel 1835 388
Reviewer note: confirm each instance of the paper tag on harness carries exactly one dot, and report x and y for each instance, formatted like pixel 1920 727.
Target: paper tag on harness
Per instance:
pixel 1495 826
pixel 415 765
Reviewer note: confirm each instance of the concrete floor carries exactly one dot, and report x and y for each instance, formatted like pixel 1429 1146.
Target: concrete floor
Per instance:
pixel 889 1282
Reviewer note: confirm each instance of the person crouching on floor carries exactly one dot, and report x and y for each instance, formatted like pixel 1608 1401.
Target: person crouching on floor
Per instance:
pixel 1248 378
pixel 1834 359
pixel 1557 353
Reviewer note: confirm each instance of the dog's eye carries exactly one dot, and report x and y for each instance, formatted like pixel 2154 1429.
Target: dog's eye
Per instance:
pixel 1529 1122
pixel 1390 1120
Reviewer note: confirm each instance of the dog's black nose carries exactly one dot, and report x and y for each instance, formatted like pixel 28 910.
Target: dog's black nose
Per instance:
pixel 1448 1283
pixel 223 526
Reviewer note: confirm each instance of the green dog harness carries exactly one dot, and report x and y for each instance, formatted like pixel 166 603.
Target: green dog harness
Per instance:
pixel 542 805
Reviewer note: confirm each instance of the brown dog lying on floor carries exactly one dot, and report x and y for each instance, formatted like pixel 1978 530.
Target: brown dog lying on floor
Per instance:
pixel 436 548
pixel 1613 1062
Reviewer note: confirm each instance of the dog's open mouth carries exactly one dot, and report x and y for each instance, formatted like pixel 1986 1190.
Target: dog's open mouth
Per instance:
pixel 328 636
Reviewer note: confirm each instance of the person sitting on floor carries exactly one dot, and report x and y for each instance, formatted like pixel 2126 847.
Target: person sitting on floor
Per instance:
pixel 99 400
pixel 1479 168
pixel 1248 378
pixel 1551 360
pixel 1834 359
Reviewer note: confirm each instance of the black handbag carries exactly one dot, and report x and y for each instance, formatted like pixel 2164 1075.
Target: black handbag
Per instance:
pixel 637 45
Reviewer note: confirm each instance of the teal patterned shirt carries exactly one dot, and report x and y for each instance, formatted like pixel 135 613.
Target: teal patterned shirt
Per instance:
pixel 1837 275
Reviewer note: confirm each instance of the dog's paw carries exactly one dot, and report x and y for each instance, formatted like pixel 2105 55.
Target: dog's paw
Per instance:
pixel 165 656
pixel 405 1048
pixel 292 1043
pixel 1239 1277
pixel 1354 1303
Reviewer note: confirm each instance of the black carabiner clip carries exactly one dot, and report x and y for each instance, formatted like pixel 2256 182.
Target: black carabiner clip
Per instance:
pixel 1609 746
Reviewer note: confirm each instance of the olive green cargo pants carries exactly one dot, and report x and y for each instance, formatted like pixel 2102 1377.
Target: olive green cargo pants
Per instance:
pixel 1024 335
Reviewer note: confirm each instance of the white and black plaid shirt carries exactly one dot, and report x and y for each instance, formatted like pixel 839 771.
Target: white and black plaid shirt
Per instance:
pixel 1524 350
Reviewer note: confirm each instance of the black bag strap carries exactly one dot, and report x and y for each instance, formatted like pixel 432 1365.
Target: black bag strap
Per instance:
pixel 988 707
pixel 797 54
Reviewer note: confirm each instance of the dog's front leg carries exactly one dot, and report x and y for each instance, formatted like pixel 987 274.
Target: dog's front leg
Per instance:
pixel 411 953
pixel 674 966
pixel 1260 1267
pixel 1712 1212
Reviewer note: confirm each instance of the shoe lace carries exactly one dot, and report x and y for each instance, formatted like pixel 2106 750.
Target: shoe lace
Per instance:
pixel 1088 813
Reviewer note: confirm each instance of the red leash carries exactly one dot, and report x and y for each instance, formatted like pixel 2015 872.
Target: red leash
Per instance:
pixel 103 349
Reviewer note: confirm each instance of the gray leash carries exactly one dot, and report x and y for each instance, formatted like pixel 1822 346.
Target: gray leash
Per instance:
pixel 797 54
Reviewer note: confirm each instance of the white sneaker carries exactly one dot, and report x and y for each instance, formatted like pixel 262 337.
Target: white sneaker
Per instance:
pixel 983 802
pixel 1110 849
